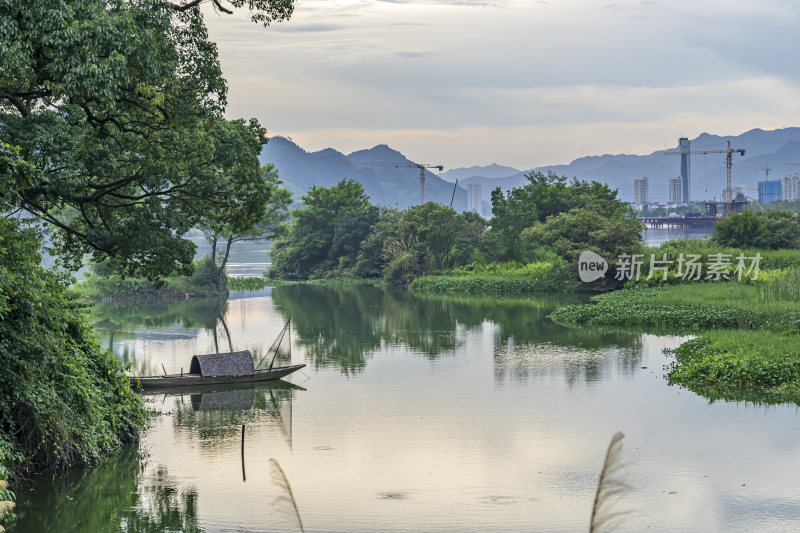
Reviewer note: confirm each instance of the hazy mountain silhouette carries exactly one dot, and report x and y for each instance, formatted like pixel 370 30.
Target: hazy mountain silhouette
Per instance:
pixel 778 148
pixel 399 187
pixel 386 185
pixel 491 171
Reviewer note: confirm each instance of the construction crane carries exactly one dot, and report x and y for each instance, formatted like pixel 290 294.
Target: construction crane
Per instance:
pixel 420 166
pixel 728 164
pixel 454 193
pixel 766 170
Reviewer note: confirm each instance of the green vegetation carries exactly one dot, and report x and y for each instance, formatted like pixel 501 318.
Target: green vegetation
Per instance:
pixel 770 230
pixel 508 279
pixel 748 334
pixel 203 282
pixel 115 140
pixel 338 233
pixel 63 398
pixel 484 284
pixel 686 308
pixel 740 359
pixel 254 284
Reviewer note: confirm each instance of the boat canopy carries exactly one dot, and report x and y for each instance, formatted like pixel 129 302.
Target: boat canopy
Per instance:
pixel 214 365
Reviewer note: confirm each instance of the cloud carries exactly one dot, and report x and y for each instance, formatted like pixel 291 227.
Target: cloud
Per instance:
pixel 552 71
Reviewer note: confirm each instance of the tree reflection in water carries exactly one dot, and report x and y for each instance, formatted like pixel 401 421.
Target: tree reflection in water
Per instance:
pixel 341 327
pixel 115 497
pixel 126 494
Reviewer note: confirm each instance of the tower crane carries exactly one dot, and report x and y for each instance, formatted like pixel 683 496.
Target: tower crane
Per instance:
pixel 728 164
pixel 420 166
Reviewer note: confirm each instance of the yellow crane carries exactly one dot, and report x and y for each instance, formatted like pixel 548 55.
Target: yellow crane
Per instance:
pixel 728 164
pixel 420 166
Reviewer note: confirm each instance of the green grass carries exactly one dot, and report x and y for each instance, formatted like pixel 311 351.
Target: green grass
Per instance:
pixel 742 359
pixel 748 334
pixel 99 287
pixel 256 283
pixel 505 279
pixel 687 307
pixel 771 260
pixel 485 284
pixel 248 283
pixel 535 270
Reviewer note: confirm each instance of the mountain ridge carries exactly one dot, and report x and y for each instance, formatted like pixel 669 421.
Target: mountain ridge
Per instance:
pixel 399 187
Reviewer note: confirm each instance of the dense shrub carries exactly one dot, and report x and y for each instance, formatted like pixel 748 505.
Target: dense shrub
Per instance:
pixel 63 398
pixel 739 359
pixel 772 230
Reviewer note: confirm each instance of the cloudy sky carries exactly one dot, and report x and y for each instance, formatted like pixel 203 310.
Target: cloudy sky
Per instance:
pixel 518 82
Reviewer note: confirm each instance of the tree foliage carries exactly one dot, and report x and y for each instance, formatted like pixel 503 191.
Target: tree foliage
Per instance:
pixel 772 230
pixel 326 232
pixel 545 195
pixel 119 104
pixel 63 398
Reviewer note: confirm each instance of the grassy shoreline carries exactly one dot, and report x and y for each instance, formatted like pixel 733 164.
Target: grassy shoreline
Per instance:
pixel 747 335
pixel 486 284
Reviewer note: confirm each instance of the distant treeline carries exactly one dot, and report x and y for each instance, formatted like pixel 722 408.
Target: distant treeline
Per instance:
pixel 338 232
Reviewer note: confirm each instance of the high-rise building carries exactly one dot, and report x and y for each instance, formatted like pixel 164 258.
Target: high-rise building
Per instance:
pixel 641 192
pixel 769 191
pixel 474 200
pixel 791 188
pixel 683 142
pixel 676 190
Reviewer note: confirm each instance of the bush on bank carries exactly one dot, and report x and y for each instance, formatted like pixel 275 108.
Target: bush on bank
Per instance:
pixel 740 359
pixel 202 283
pixel 748 334
pixel 63 398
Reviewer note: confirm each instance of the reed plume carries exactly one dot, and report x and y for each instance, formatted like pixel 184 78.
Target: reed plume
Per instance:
pixel 610 489
pixel 285 502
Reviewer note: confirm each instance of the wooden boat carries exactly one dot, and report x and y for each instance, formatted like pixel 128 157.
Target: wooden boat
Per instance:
pixel 219 368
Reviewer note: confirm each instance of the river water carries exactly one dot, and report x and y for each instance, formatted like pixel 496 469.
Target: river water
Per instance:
pixel 421 414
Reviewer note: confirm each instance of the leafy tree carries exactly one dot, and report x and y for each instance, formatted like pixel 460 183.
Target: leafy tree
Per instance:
pixel 773 230
pixel 261 217
pixel 431 237
pixel 544 196
pixel 119 104
pixel 371 259
pixel 326 233
pixel 568 234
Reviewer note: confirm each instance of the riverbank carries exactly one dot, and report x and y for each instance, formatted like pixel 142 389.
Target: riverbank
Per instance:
pixel 113 287
pixel 257 283
pixel 496 279
pixel 747 334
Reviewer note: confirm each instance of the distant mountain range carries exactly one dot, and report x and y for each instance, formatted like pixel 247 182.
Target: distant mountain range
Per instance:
pixel 492 171
pixel 780 149
pixel 386 185
pixel 399 187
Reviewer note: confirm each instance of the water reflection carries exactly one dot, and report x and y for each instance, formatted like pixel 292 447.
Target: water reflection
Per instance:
pixel 220 412
pixel 341 327
pixel 133 493
pixel 121 495
pixel 474 415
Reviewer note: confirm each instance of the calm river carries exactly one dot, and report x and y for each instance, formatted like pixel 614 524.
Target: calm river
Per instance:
pixel 422 415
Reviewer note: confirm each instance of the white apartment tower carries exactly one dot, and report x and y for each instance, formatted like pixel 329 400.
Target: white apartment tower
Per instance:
pixel 676 190
pixel 791 188
pixel 641 191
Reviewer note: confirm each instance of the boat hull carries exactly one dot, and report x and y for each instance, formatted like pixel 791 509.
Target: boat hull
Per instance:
pixel 196 380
